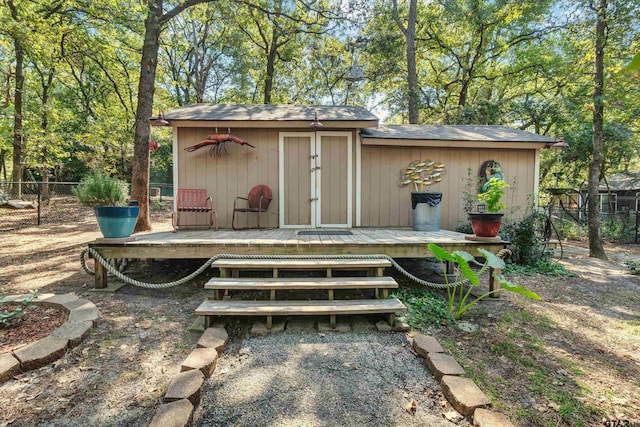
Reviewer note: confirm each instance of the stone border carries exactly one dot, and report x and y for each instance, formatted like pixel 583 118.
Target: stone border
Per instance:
pixel 83 316
pixel 183 394
pixel 462 393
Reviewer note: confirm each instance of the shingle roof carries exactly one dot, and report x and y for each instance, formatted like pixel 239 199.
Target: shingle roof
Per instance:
pixel 454 133
pixel 622 181
pixel 262 112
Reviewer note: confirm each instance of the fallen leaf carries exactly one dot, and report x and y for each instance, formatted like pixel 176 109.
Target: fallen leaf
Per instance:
pixel 452 416
pixel 411 407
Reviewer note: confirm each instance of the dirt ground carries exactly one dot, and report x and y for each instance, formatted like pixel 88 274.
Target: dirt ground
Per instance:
pixel 571 359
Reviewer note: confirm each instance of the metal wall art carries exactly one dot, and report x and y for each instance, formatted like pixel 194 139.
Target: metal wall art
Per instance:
pixel 421 173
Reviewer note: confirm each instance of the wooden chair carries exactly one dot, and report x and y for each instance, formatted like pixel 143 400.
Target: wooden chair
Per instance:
pixel 258 201
pixel 194 200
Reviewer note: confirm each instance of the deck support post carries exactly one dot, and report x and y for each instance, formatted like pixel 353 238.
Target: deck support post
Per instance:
pixel 449 267
pixel 493 283
pixel 392 319
pixel 100 272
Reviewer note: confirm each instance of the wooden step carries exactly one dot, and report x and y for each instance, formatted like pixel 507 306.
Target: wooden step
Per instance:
pixel 309 283
pixel 300 264
pixel 284 308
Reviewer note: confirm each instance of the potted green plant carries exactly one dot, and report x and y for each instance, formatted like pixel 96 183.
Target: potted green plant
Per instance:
pixel 108 197
pixel 487 223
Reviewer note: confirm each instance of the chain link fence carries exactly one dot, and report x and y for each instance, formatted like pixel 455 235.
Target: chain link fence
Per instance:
pixel 28 204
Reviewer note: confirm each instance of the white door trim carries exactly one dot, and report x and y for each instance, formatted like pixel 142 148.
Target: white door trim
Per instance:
pixel 318 187
pixel 281 183
pixel 358 180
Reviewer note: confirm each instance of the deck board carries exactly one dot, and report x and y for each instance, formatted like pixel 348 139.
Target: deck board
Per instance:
pixel 397 243
pixel 268 283
pixel 275 308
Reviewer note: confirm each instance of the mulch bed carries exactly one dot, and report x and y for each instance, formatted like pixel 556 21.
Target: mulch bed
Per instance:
pixel 37 322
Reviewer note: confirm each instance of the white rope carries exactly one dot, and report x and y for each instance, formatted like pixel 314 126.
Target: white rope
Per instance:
pixel 504 253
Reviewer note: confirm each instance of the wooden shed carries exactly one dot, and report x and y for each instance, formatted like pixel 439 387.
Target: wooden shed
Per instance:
pixel 334 166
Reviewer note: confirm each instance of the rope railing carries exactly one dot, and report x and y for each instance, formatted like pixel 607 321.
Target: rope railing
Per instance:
pixel 112 268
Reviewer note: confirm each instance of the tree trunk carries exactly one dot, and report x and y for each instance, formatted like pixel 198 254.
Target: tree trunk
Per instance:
pixel 409 33
pixel 412 72
pixel 16 174
pixel 271 65
pixel 596 249
pixel 144 111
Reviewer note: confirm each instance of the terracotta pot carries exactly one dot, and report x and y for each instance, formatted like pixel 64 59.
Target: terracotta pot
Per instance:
pixel 485 224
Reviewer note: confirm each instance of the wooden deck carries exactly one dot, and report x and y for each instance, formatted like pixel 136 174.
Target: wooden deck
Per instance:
pixel 204 244
pixel 396 243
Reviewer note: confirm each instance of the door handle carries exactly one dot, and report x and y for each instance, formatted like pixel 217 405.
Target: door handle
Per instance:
pixel 314 199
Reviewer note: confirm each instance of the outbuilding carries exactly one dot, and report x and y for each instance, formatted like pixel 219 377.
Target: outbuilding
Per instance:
pixel 337 167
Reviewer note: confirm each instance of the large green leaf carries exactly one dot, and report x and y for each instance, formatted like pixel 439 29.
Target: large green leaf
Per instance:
pixel 440 253
pixel 517 289
pixel 466 270
pixel 492 260
pixel 464 255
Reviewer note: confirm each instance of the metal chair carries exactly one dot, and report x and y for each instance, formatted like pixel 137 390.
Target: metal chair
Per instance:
pixel 196 201
pixel 258 201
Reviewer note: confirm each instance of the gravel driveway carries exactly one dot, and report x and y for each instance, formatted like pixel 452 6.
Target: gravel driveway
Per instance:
pixel 305 378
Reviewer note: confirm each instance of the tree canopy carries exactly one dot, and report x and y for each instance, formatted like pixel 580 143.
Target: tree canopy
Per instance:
pixel 80 79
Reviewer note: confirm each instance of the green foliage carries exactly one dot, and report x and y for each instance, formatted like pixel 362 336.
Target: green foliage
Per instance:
pixel 99 189
pixel 425 309
pixel 457 298
pixel 634 267
pixel 526 239
pixel 7 317
pixel 492 196
pixel 544 266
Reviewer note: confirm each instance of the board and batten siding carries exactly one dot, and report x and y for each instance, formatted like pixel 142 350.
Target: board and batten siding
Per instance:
pixel 228 177
pixel 386 204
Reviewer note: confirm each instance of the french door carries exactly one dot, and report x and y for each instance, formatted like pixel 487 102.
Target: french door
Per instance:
pixel 315 179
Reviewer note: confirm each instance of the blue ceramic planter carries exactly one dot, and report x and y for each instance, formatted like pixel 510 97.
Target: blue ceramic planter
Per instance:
pixel 116 221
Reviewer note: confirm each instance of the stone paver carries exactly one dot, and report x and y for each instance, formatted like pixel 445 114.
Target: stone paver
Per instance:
pixel 463 394
pixel 486 418
pixel 425 344
pixel 14 298
pixel 58 300
pixel 213 338
pixel 75 332
pixel 41 352
pixel 260 329
pixel 41 297
pixel 185 385
pixel 340 327
pixel 9 366
pixel 441 364
pixel 84 312
pixel 384 326
pixel 202 359
pixel 174 414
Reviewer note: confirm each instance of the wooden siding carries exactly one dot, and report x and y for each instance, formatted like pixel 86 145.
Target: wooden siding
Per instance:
pixel 385 204
pixel 228 177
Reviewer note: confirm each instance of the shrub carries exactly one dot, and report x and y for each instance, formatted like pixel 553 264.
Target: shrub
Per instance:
pixel 100 189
